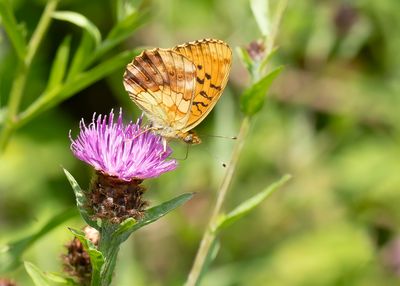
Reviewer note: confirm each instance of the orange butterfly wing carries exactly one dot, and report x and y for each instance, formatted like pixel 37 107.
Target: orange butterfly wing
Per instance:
pixel 177 88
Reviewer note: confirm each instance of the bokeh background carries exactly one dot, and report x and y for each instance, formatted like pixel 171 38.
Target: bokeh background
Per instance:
pixel 331 120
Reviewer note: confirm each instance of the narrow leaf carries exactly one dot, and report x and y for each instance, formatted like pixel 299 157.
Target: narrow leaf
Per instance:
pixel 252 99
pixel 37 275
pixel 260 9
pixel 80 21
pixel 155 213
pixel 60 278
pixel 3 113
pixel 125 226
pixel 96 257
pixel 245 57
pixel 247 206
pixel 80 58
pixel 10 254
pixel 59 64
pixel 80 200
pixel 11 27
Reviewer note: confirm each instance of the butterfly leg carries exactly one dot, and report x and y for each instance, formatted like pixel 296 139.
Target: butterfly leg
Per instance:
pixel 164 145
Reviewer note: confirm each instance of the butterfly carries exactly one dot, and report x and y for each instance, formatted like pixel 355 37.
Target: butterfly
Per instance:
pixel 177 88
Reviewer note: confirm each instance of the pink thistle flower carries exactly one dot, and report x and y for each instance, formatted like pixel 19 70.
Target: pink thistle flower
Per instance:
pixel 124 151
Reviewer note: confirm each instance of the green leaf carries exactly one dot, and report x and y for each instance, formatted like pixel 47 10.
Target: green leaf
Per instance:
pixel 11 27
pixel 10 254
pixel 80 200
pixel 151 215
pixel 80 21
pixel 125 226
pixel 260 9
pixel 252 99
pixel 38 277
pixel 246 59
pixel 247 206
pixel 96 257
pixel 3 114
pixel 60 278
pixel 120 32
pixel 60 63
pixel 42 278
pixel 81 56
pixel 266 60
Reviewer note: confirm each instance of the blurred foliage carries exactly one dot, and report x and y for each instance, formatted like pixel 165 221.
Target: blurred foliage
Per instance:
pixel 331 121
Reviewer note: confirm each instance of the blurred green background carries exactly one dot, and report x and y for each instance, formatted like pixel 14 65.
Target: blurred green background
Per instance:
pixel 331 120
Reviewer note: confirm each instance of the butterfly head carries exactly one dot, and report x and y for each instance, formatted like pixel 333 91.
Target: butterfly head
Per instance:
pixel 190 137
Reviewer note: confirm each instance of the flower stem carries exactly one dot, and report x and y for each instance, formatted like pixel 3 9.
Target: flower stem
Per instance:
pixel 210 234
pixel 18 86
pixel 109 247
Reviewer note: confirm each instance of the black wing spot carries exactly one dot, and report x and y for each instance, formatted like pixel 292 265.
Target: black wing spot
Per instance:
pixel 215 87
pixel 201 81
pixel 204 94
pixel 199 67
pixel 208 76
pixel 196 103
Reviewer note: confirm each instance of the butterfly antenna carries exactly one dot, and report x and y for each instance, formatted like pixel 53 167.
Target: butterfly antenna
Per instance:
pixel 219 136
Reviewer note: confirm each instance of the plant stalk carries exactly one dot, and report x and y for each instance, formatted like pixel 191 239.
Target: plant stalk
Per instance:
pixel 210 234
pixel 19 83
pixel 109 246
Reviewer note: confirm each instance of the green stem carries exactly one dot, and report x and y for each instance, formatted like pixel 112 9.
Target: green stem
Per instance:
pixel 110 248
pixel 210 234
pixel 19 83
pixel 40 30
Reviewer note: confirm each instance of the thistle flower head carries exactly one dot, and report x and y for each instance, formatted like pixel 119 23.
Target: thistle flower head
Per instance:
pixel 123 151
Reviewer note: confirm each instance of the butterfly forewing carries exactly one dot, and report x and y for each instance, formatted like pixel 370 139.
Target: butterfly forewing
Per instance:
pixel 212 59
pixel 162 83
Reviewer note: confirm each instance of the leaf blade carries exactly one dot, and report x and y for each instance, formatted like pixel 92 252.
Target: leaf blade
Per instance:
pixel 248 205
pixel 80 21
pixel 96 257
pixel 80 200
pixel 253 98
pixel 155 213
pixel 60 63
pixel 38 277
pixel 13 31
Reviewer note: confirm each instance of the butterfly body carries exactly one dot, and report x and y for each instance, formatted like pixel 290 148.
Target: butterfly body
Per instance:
pixel 176 88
